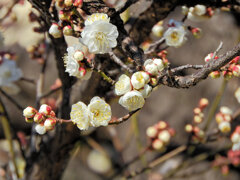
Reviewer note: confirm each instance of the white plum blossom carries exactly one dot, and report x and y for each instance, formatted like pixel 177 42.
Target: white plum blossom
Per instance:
pixel 99 112
pixel 79 115
pixel 226 110
pixel 76 50
pixel 123 85
pixel 40 129
pixel 99 35
pixel 139 79
pixel 98 162
pixel 96 17
pixel 55 30
pixel 132 100
pixel 9 73
pixel 157 29
pixel 175 36
pixel 224 127
pixel 147 89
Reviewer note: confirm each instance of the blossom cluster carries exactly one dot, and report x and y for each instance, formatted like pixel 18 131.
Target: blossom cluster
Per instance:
pixel 45 118
pixel 228 71
pixel 9 73
pixel 197 134
pixel 134 90
pixel 224 118
pixel 198 12
pixel 65 25
pixel 160 135
pixel 97 113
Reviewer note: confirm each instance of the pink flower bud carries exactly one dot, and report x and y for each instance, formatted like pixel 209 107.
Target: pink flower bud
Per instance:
pixel 236 70
pixel 52 114
pixel 78 3
pixel 67 30
pixel 151 132
pixel 55 30
pixel 162 125
pixel 197 110
pixel 214 74
pixel 188 128
pixel 203 103
pixel 49 124
pixel 197 32
pixel 45 109
pixel 157 144
pixel 164 136
pixel 29 112
pixel 38 118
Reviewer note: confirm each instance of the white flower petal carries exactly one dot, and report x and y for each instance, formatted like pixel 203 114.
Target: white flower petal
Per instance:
pixel 175 36
pixel 79 115
pixel 123 85
pixel 99 112
pixel 138 80
pixel 132 100
pixel 146 91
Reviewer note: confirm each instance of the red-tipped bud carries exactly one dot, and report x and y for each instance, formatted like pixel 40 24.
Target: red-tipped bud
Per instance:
pixel 203 103
pixel 214 74
pixel 162 125
pixel 49 124
pixel 197 32
pixel 29 112
pixel 67 30
pixel 45 109
pixel 38 118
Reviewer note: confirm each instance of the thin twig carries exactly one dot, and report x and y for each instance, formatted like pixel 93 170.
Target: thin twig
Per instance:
pixel 28 80
pixel 122 119
pixel 50 92
pixel 119 62
pixel 154 45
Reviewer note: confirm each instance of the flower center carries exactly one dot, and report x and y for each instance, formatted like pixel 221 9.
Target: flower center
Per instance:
pixel 95 112
pixel 174 36
pixel 100 36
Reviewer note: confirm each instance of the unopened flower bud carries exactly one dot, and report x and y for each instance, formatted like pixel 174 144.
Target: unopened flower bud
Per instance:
pixel 67 30
pixel 52 114
pixel 63 16
pixel 28 120
pixel 164 136
pixel 45 109
pixel 78 3
pixel 55 30
pixel 197 119
pixel 235 138
pixel 151 132
pixel 227 117
pixel 38 118
pixel 236 70
pixel 224 127
pixel 50 124
pixel 227 75
pixel 157 29
pixel 197 110
pixel 219 118
pixel 200 134
pixel 185 10
pixel 78 55
pixel 29 112
pixel 153 81
pixel 157 144
pixel 68 2
pixel 188 128
pixel 203 103
pixel 162 125
pixel 40 129
pixel 196 32
pixel 226 110
pixel 214 74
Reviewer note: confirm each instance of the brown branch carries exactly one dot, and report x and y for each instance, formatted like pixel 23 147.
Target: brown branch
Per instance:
pixel 122 119
pixel 193 79
pixel 126 6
